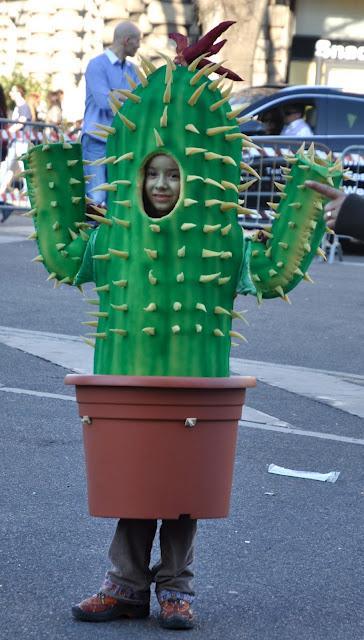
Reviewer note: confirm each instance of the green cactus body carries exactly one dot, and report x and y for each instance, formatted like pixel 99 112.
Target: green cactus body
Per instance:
pixel 171 280
pixel 166 285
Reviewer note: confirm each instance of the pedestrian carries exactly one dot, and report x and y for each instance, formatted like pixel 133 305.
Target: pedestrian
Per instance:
pixel 125 591
pixel 3 114
pixel 18 143
pixel 294 123
pixel 345 212
pixel 105 73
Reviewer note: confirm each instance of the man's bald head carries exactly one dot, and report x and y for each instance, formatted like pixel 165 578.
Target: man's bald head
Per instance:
pixel 126 40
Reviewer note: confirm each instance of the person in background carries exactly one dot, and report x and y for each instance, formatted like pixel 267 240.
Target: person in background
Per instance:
pixel 345 213
pixel 294 123
pixel 105 73
pixel 272 121
pixel 3 114
pixel 33 102
pixel 18 143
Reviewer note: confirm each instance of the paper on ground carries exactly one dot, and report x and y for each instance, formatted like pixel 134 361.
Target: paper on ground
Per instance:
pixel 332 476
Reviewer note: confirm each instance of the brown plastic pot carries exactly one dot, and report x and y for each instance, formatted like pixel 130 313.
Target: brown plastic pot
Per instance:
pixel 159 447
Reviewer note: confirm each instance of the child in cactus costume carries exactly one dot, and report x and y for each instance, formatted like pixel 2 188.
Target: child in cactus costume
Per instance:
pixel 168 258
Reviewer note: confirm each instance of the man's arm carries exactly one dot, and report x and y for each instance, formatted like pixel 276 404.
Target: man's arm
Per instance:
pixel 98 85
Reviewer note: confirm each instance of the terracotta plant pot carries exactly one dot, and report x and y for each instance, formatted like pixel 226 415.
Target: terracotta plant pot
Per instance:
pixel 159 447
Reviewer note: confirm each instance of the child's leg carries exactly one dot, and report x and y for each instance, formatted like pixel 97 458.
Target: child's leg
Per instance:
pixel 125 591
pixel 130 576
pixel 174 575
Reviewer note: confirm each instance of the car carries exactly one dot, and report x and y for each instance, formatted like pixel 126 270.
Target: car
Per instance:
pixel 335 117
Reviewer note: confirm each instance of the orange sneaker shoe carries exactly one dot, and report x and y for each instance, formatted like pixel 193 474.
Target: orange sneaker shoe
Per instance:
pixel 176 614
pixel 102 608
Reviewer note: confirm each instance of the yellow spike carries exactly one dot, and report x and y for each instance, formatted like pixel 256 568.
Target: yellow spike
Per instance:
pixel 130 95
pixel 190 151
pixel 240 315
pixel 246 185
pixel 209 228
pixel 227 206
pixel 143 80
pixel 120 254
pixel 220 311
pixel 196 94
pixel 168 60
pixel 272 272
pixel 155 228
pixel 279 186
pixel 151 253
pixel 104 287
pixel 295 205
pixel 119 307
pixel 128 123
pixel 201 307
pixel 207 253
pixel 125 156
pixel 229 160
pixel 198 328
pixel 215 83
pixel 125 183
pixel 52 276
pixel 120 283
pixel 245 167
pixel 158 140
pixel 123 203
pixel 213 131
pixel 98 314
pixel 226 255
pixel 148 64
pixel 151 278
pixel 181 252
pixel 54 204
pixel 150 331
pixel 307 247
pixel 186 226
pixel 212 202
pixel 99 134
pixel 176 328
pixel 321 253
pixel 214 183
pixel 223 280
pixel 167 93
pixel 73 234
pixel 132 84
pixel 273 205
pixel 236 334
pixel 89 342
pixel 180 277
pixel 102 256
pixel 151 307
pixel 227 91
pixel 38 258
pixel 194 63
pixel 226 230
pixel 99 336
pixel 33 236
pixel 188 202
pixel 283 245
pixel 230 185
pixel 279 290
pixel 177 306
pixel 202 72
pixel 90 323
pixel 100 219
pixel 93 301
pixel 218 333
pixel 119 332
pixel 209 277
pixel 308 278
pixel 191 178
pixel 76 199
pixel 105 187
pixel 192 128
pixel 103 127
pixel 164 118
pixel 235 112
pixel 219 103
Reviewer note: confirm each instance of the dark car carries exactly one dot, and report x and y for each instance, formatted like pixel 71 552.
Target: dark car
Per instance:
pixel 335 117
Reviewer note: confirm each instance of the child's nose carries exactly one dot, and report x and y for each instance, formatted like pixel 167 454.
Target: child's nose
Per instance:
pixel 161 182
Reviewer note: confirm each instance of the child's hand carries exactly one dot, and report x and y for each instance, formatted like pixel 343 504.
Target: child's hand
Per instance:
pixel 335 196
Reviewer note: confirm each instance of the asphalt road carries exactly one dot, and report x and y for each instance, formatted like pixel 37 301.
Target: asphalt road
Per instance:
pixel 286 564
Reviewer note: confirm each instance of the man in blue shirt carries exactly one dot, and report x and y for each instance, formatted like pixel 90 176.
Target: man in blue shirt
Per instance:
pixel 105 73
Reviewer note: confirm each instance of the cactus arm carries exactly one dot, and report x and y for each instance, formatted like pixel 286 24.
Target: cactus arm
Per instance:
pixel 276 267
pixel 55 183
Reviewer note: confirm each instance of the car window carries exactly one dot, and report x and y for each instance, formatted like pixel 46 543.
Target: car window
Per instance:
pixel 273 118
pixel 345 116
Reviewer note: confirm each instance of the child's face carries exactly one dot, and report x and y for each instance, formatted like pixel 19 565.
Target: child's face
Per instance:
pixel 162 183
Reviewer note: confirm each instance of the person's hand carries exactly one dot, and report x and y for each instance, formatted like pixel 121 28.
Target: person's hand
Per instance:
pixel 336 198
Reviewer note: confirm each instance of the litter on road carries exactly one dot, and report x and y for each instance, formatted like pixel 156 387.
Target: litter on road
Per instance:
pixel 332 476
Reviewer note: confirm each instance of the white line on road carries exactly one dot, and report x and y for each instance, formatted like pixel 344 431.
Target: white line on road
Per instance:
pixel 302 432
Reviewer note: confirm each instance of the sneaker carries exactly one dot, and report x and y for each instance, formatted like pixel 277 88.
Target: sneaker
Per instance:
pixel 176 614
pixel 102 608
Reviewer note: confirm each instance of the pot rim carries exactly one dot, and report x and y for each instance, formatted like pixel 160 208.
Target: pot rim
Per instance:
pixel 176 382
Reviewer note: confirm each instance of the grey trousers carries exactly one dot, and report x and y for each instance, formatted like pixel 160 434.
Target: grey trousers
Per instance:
pixel 130 577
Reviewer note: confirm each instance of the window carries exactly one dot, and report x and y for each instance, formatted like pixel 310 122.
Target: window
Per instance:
pixel 345 116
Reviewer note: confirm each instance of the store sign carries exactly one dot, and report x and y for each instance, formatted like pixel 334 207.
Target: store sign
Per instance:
pixel 330 51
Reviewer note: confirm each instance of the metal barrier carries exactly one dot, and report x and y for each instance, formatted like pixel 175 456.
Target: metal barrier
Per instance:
pixel 13 144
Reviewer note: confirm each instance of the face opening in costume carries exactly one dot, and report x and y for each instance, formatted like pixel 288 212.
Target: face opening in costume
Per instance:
pixel 161 186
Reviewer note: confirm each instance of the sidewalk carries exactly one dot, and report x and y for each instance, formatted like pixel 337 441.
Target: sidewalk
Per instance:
pixel 15 228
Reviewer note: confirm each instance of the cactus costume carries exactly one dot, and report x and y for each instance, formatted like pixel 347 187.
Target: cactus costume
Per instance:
pixel 165 286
